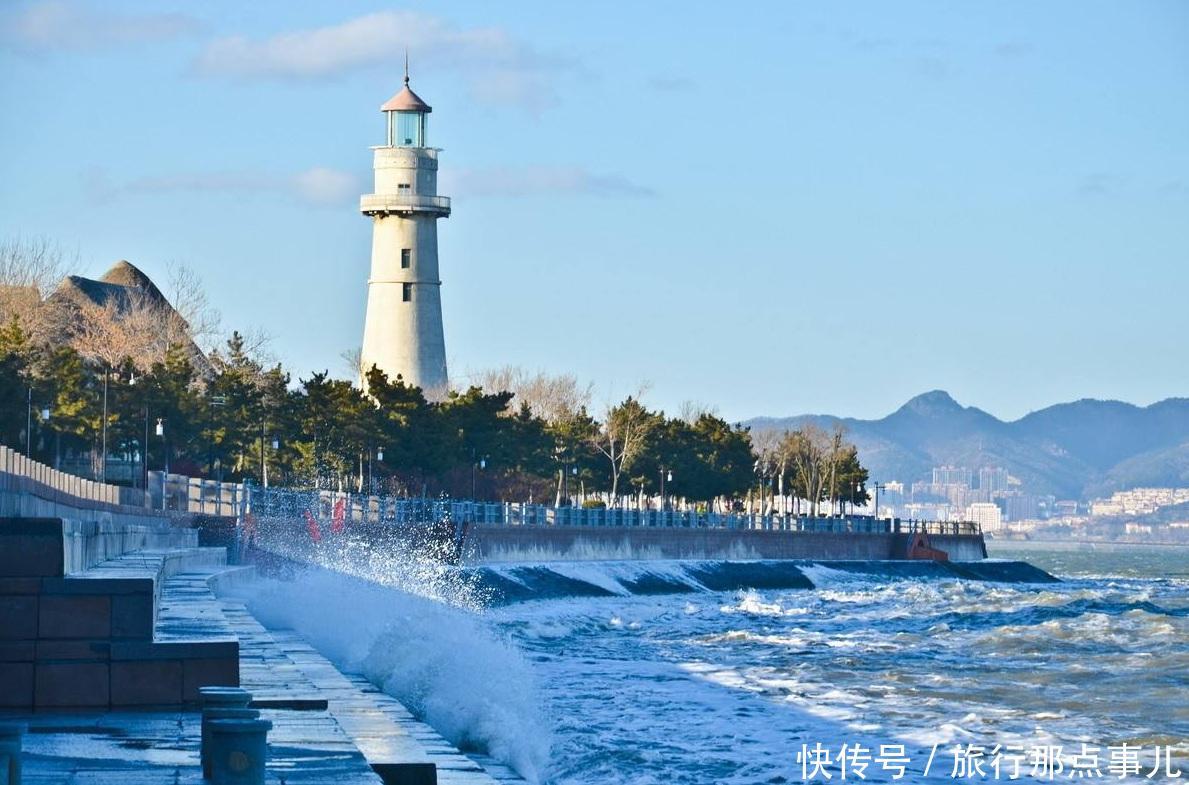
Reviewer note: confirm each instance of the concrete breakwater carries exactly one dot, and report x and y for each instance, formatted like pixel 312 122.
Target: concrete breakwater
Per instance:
pixel 504 584
pixel 486 544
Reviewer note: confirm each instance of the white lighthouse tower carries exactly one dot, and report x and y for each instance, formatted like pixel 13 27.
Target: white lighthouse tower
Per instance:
pixel 402 332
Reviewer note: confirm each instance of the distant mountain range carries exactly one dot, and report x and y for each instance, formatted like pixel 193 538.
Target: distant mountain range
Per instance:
pixel 1082 449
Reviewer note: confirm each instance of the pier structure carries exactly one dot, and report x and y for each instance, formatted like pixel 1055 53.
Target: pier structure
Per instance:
pixel 402 332
pixel 113 617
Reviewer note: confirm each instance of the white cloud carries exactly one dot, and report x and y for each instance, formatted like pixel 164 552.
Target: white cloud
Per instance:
pixel 318 186
pixel 326 186
pixel 538 180
pixel 55 25
pixel 500 68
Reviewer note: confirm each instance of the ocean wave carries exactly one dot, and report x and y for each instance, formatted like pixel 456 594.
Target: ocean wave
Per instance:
pixel 443 662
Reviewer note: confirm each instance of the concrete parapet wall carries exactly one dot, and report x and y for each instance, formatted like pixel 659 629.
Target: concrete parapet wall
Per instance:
pixel 560 543
pixel 76 635
pixel 21 476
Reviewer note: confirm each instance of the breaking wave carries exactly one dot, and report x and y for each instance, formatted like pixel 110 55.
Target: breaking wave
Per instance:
pixel 442 662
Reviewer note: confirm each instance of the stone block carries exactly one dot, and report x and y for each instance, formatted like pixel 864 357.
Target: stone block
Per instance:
pixel 20 585
pixel 17 651
pixel 132 616
pixel 148 683
pixel 85 585
pixel 174 650
pixel 220 672
pixel 75 685
pixel 16 685
pixel 73 650
pixel 407 773
pixel 18 616
pixel 31 547
pixel 74 616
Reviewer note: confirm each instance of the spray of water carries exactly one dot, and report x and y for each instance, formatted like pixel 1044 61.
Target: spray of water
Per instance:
pixel 388 600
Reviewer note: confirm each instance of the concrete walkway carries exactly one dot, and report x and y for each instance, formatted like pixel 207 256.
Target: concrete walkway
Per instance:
pixel 327 726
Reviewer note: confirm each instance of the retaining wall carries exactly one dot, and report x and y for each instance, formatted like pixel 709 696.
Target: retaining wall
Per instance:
pixel 565 543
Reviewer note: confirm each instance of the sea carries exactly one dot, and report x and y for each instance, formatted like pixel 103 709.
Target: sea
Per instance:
pixel 648 673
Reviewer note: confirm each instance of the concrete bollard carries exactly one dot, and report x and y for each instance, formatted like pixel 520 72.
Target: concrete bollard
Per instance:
pixel 239 749
pixel 10 754
pixel 216 700
pixel 224 697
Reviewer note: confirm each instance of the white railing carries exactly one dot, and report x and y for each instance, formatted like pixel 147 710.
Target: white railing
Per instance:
pixel 399 203
pixel 182 494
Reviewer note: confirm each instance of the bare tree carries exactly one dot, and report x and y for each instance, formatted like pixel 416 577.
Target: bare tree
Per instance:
pixel 769 447
pixel 692 411
pixel 108 333
pixel 552 398
pixel 199 321
pixel 625 427
pixel 815 455
pixel 353 361
pixel 29 271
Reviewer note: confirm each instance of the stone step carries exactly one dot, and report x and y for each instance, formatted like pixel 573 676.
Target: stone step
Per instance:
pixel 119 633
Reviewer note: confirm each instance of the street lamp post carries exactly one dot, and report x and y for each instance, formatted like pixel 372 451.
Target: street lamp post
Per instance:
pixel 29 423
pixel 482 464
pixel 103 447
pixel 144 464
pixel 665 474
pixel 379 456
pixel 567 471
pixel 212 402
pixel 103 441
pixel 879 486
pixel 144 447
pixel 276 445
pixel 160 431
pixel 263 470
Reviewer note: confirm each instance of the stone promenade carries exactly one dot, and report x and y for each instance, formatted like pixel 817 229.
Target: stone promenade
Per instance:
pixel 327 726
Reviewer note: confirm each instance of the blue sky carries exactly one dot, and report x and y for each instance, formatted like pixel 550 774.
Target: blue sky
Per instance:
pixel 771 208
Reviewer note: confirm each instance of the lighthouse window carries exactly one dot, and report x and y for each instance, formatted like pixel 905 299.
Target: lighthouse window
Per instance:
pixel 406 258
pixel 407 293
pixel 410 129
pixel 402 186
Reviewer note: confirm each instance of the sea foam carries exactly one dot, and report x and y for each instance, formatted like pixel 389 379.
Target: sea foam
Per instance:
pixel 444 663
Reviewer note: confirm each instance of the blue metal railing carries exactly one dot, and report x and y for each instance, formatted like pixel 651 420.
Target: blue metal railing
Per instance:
pixel 288 503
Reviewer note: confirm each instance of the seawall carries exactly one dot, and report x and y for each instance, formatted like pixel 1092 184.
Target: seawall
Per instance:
pixel 487 544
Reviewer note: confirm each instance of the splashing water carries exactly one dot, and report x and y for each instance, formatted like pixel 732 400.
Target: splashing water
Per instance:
pixel 598 681
pixel 446 664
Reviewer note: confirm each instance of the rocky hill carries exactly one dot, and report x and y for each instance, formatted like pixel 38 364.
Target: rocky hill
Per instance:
pixel 1072 450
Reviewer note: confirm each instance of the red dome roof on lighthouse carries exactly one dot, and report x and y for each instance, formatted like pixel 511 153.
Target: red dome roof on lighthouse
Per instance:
pixel 406 100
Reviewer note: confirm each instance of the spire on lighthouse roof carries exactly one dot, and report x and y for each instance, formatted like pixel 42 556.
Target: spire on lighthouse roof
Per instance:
pixel 406 100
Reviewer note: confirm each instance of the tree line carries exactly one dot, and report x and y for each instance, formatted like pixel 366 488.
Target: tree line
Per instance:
pixel 127 372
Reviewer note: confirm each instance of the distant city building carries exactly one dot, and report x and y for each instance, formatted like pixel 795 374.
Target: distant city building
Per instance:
pixel 929 512
pixel 1139 501
pixel 952 475
pixel 993 480
pixel 1103 507
pixel 1018 506
pixel 1065 508
pixel 986 515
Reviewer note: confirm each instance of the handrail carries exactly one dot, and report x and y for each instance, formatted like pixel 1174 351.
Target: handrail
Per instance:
pixel 397 202
pixel 294 504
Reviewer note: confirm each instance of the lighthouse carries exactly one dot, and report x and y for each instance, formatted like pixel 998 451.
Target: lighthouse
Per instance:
pixel 402 331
